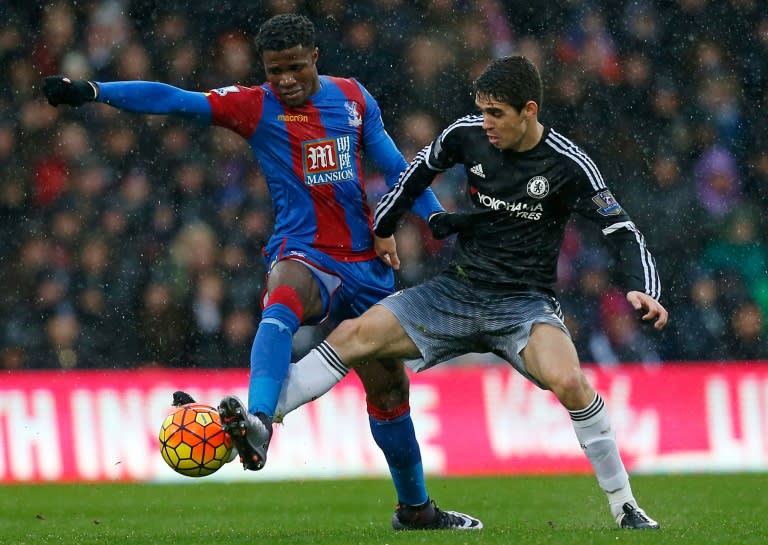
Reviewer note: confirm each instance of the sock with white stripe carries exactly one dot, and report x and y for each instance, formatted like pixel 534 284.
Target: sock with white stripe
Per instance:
pixel 309 378
pixel 270 357
pixel 598 440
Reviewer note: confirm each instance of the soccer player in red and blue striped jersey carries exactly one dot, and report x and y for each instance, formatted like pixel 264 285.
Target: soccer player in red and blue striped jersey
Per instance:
pixel 309 133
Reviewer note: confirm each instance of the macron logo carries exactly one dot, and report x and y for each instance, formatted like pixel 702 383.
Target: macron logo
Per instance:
pixel 477 170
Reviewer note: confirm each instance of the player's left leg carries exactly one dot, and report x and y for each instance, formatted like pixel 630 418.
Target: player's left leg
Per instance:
pixel 389 414
pixel 551 358
pixel 293 295
pixel 387 387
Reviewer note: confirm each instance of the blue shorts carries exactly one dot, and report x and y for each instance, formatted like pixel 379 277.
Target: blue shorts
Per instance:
pixel 348 288
pixel 446 318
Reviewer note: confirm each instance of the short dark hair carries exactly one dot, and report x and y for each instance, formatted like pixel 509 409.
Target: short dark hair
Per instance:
pixel 285 31
pixel 513 80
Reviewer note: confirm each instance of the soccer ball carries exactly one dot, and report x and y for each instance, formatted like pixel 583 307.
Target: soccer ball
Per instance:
pixel 192 441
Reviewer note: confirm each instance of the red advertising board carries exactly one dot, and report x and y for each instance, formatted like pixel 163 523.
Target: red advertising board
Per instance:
pixel 483 419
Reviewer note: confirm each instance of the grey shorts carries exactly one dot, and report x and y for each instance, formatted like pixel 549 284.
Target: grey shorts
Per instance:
pixel 446 318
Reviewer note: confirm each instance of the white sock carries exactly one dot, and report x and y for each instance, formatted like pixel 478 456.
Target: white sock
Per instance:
pixel 598 439
pixel 309 378
pixel 618 498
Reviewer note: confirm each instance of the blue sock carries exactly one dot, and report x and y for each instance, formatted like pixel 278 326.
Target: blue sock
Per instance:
pixel 270 358
pixel 397 439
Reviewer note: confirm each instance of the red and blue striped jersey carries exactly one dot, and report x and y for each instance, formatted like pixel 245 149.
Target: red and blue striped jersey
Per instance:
pixel 311 155
pixel 311 158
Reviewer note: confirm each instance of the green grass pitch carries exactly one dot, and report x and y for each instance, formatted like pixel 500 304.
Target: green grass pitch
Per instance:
pixel 557 510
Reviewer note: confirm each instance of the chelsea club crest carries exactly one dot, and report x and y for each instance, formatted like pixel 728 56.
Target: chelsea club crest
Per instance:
pixel 537 187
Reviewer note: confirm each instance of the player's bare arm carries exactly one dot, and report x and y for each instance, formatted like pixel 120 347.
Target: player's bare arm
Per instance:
pixel 653 309
pixel 386 249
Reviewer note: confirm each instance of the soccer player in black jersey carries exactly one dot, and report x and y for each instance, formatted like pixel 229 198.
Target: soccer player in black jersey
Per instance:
pixel 496 295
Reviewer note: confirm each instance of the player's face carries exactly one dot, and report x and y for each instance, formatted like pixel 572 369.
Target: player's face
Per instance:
pixel 506 127
pixel 293 73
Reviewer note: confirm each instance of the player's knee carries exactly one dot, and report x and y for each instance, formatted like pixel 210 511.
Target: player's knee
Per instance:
pixel 387 400
pixel 352 340
pixel 386 384
pixel 390 393
pixel 571 388
pixel 345 334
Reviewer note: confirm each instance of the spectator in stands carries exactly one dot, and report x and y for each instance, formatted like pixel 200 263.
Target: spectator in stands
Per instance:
pixel 206 306
pixel 718 183
pixel 65 171
pixel 700 327
pixel 238 328
pixel 748 337
pixel 741 252
pixel 664 192
pixel 620 339
pixel 163 333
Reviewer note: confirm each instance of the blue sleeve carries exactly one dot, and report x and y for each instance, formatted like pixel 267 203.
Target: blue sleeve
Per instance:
pixel 382 149
pixel 148 97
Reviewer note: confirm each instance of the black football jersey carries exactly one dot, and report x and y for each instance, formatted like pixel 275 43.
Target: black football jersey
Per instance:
pixel 521 202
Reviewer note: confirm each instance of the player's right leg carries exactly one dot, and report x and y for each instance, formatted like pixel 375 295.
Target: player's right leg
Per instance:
pixel 376 335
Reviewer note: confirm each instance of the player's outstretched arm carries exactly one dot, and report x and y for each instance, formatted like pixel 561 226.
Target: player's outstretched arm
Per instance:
pixel 145 97
pixel 654 311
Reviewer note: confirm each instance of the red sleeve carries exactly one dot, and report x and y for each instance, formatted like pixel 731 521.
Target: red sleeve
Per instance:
pixel 237 108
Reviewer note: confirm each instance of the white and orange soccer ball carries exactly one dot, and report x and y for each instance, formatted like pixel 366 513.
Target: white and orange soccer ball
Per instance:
pixel 192 441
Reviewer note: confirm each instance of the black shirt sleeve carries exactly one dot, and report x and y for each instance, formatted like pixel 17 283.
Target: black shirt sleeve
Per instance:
pixel 428 163
pixel 636 266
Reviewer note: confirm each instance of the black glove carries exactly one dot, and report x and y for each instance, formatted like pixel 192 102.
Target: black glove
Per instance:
pixel 62 90
pixel 181 398
pixel 443 224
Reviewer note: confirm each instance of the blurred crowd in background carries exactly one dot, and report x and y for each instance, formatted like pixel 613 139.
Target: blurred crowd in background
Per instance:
pixel 132 240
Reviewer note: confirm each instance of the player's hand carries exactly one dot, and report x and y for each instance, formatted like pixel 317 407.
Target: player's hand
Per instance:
pixel 443 224
pixel 62 90
pixel 386 249
pixel 642 302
